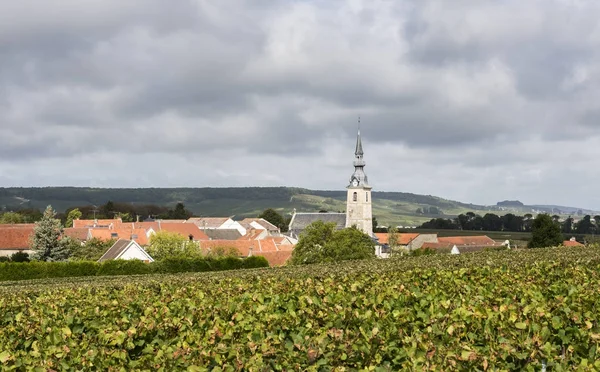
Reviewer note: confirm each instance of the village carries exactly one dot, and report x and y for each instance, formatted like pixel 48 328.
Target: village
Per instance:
pixel 251 236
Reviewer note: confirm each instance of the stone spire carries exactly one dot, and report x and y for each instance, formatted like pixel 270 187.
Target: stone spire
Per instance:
pixel 359 164
pixel 359 149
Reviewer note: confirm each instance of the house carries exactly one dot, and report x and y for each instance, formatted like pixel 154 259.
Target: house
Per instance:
pixel 254 234
pixel 572 243
pixel 81 234
pixel 463 243
pixel 126 250
pixel 275 253
pixel 15 238
pixel 217 223
pixel 407 240
pixel 222 234
pixel 300 221
pixel 260 224
pixel 128 233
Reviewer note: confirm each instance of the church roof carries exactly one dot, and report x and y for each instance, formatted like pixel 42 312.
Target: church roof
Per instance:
pixel 301 220
pixel 359 149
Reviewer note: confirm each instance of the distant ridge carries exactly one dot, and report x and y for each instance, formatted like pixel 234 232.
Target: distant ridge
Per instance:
pixel 401 208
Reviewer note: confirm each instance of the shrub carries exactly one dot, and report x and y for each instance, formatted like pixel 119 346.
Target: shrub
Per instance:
pixel 19 257
pixel 4 259
pixel 124 267
pixel 40 269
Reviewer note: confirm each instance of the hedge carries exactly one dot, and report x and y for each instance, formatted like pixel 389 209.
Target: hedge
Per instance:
pixel 40 270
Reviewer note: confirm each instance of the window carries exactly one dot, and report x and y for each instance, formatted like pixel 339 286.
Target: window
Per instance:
pixel 367 196
pixel 355 197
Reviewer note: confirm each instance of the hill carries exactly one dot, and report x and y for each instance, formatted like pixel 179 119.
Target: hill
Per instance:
pixel 400 208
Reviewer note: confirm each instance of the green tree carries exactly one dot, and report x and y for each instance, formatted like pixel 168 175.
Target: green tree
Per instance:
pixel 166 244
pixel 585 225
pixel 320 243
pixel 91 250
pixel 179 213
pixel 73 215
pixel 46 242
pixel 11 217
pixel 274 217
pixel 567 226
pixel 545 232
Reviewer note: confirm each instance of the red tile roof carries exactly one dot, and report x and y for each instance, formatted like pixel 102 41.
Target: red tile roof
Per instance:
pixel 107 234
pixel 97 223
pixel 276 258
pixel 79 233
pixel 572 243
pixel 184 229
pixel 480 240
pixel 15 236
pixel 402 238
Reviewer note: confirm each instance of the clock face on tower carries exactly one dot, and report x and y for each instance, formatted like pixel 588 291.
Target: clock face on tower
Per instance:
pixel 355 182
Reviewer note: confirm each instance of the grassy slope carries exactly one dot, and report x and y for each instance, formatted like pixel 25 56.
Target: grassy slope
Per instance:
pixel 389 207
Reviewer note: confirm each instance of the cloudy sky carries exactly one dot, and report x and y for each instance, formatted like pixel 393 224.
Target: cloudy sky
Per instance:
pixel 477 101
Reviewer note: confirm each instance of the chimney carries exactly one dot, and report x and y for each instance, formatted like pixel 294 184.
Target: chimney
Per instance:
pixel 137 218
pixel 191 237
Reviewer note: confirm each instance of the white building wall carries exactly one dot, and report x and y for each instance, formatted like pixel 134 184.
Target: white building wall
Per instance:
pixel 133 252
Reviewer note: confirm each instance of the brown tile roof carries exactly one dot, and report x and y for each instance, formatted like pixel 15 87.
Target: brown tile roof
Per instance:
pixel 572 243
pixel 252 234
pixel 403 238
pixel 208 222
pixel 431 245
pixel 79 233
pixel 261 221
pixel 223 234
pixel 15 236
pixel 480 240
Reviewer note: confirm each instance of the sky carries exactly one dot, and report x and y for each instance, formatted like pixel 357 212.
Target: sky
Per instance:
pixel 471 100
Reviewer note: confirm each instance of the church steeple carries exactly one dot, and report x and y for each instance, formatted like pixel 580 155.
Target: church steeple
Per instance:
pixel 358 178
pixel 359 149
pixel 358 205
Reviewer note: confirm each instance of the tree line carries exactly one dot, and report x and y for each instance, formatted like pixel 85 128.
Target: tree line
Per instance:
pixel 511 222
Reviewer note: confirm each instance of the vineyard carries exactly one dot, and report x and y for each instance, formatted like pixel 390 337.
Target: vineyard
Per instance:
pixel 510 310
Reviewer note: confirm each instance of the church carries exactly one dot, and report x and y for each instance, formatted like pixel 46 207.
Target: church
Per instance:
pixel 358 203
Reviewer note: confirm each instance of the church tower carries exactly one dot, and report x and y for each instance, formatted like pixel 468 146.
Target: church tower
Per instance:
pixel 358 204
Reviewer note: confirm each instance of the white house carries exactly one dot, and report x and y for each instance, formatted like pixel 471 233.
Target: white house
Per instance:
pixel 126 250
pixel 217 223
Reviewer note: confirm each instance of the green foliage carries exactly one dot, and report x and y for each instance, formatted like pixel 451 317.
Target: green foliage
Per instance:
pixel 165 244
pixel 124 267
pixel 275 218
pixel 91 250
pixel 11 217
pixel 312 242
pixel 46 242
pixel 223 251
pixel 11 271
pixel 74 214
pixel 320 243
pixel 545 232
pixel 492 311
pixel 19 257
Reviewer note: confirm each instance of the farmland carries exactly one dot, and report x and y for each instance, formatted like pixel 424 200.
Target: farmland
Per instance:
pixel 508 310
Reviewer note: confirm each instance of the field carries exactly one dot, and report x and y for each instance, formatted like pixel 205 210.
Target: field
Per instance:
pixel 511 310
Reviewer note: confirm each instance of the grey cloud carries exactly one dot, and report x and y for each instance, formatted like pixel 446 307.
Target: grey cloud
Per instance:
pixel 466 91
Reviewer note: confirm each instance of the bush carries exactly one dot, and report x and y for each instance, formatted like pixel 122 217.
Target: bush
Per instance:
pixel 124 267
pixel 41 269
pixel 253 262
pixel 19 257
pixel 4 259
